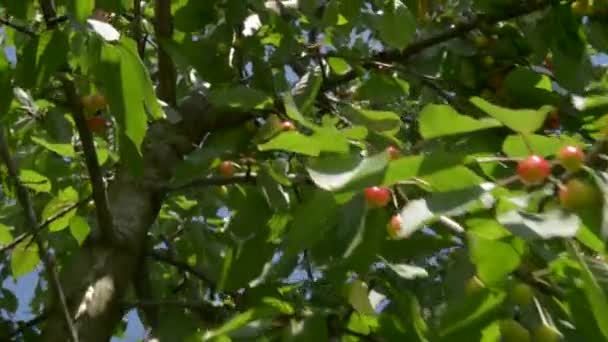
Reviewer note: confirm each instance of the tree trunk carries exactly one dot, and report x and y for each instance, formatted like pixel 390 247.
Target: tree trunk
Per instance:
pixel 99 275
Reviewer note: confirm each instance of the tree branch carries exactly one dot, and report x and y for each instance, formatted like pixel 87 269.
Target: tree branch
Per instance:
pixel 137 29
pixel 455 31
pixel 104 217
pixel 163 28
pixel 22 29
pixel 50 14
pixel 462 29
pixel 23 196
pixel 44 224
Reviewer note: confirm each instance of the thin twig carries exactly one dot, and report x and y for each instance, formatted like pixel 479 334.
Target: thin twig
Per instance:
pixel 20 28
pixel 305 255
pixel 166 71
pixel 44 224
pixel 104 217
pixel 236 179
pixel 24 325
pixel 359 335
pixel 23 196
pixel 49 13
pixel 181 265
pixel 178 303
pixel 308 266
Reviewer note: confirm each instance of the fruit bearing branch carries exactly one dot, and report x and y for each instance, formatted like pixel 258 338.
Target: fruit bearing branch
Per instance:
pixel 455 31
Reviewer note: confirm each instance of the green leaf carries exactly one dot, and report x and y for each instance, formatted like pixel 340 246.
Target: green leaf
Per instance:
pixel 240 320
pixel 486 228
pixel 324 140
pixel 440 120
pixel 80 229
pixel 184 203
pixel 383 89
pixel 550 224
pixel 248 262
pixel 19 9
pixel 471 314
pixel 292 142
pixel 294 113
pixel 407 167
pixel 5 234
pixel 409 272
pixel 126 84
pixel 453 178
pixel 529 88
pixel 364 247
pixel 240 97
pixel 517 145
pixel 406 307
pixel 333 173
pixel 42 56
pixel 64 150
pixel 34 181
pixel 81 9
pixel 397 25
pixel 494 259
pixel 305 91
pixel 102 150
pixel 338 65
pixel 24 258
pixel 417 213
pixel 596 297
pixel 310 220
pixel 66 198
pixel 192 15
pixel 374 120
pixel 519 120
pixel 9 301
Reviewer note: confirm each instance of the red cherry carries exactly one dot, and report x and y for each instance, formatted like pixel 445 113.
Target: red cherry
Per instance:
pixel 393 152
pixel 394 226
pixel 226 168
pixel 571 158
pixel 288 126
pixel 533 170
pixel 97 124
pixel 377 196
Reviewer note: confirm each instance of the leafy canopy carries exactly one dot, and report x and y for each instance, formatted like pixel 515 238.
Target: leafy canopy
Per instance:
pixel 281 243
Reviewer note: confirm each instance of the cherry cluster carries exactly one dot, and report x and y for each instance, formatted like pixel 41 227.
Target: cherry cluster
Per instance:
pixel 575 193
pixel 228 167
pixel 533 170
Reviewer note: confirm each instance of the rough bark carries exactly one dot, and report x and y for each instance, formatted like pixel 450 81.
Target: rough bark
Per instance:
pixel 98 276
